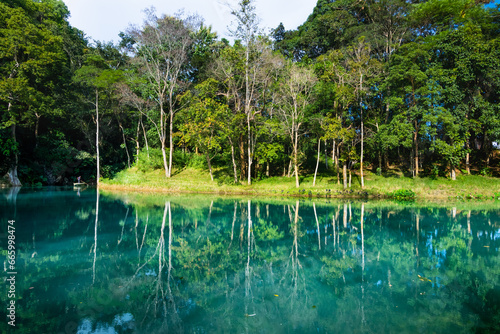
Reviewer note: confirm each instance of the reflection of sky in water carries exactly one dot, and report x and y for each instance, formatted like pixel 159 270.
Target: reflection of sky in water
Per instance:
pixel 124 320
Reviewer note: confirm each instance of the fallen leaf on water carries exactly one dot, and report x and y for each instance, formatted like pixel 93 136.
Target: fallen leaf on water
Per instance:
pixel 250 315
pixel 314 306
pixel 486 246
pixel 424 279
pixel 276 295
pixel 31 287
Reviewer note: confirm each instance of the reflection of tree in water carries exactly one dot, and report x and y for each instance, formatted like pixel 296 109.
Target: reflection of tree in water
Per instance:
pixel 176 266
pixel 161 302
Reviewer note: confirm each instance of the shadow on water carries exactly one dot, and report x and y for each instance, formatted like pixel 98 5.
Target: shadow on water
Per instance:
pixel 93 262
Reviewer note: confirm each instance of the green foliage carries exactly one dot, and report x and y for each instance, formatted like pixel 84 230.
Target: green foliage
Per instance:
pixel 421 76
pixel 266 231
pixel 195 161
pixel 149 161
pixel 181 160
pixel 403 195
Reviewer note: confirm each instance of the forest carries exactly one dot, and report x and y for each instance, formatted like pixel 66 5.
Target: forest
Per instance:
pixel 361 86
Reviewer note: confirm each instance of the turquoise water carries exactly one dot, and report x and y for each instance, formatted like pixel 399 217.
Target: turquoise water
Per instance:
pixel 89 263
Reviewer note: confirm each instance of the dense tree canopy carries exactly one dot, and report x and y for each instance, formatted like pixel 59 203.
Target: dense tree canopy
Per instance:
pixel 384 84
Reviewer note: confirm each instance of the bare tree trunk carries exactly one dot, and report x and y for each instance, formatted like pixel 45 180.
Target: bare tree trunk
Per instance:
pixel 97 135
pixel 37 124
pixel 137 134
pixel 333 153
pixel 234 163
pixel 295 162
pixel 350 177
pixel 171 132
pixel 344 172
pixel 125 143
pixel 242 159
pixel 249 174
pixel 380 161
pixel 361 158
pixel 317 163
pixel 13 178
pixel 337 164
pixel 467 157
pixel 164 154
pixel 453 172
pixel 145 137
pixel 416 153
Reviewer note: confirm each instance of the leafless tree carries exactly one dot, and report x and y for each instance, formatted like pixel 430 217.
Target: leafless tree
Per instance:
pixel 162 51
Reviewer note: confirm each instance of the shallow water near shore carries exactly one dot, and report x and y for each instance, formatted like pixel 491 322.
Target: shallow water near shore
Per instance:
pixel 89 262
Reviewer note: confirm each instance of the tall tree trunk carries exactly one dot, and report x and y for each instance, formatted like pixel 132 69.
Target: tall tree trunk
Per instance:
pixel 145 137
pixel 453 172
pixel 333 152
pixel 171 135
pixel 337 154
pixel 124 142
pixel 249 173
pixel 317 162
pixel 234 162
pixel 164 154
pixel 247 109
pixel 137 134
pixel 467 156
pixel 380 161
pixel 295 160
pixel 242 159
pixel 97 135
pixel 362 148
pixel 12 174
pixel 344 172
pixel 416 151
pixel 350 177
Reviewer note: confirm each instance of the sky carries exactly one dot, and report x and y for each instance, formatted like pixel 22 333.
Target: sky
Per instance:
pixel 102 20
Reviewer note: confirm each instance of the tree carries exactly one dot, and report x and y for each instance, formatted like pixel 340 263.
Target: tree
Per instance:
pixel 247 30
pixel 416 94
pixel 204 118
pixel 162 48
pixel 30 54
pixel 295 95
pixel 97 78
pixel 363 69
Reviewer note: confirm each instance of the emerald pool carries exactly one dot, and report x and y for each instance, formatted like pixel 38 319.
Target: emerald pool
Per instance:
pixel 89 262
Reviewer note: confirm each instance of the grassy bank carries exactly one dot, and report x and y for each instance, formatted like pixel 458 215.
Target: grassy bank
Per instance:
pixel 191 180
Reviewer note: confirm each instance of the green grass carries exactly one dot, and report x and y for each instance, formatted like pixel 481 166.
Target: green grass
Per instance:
pixel 190 180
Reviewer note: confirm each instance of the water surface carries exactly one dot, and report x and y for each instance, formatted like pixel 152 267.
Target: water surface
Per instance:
pixel 102 263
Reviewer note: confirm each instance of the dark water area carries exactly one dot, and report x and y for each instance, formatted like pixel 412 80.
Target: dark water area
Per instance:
pixel 133 263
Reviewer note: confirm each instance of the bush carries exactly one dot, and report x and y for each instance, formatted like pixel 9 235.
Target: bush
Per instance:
pixel 403 195
pixel 486 171
pixel 154 161
pixel 179 160
pixel 196 161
